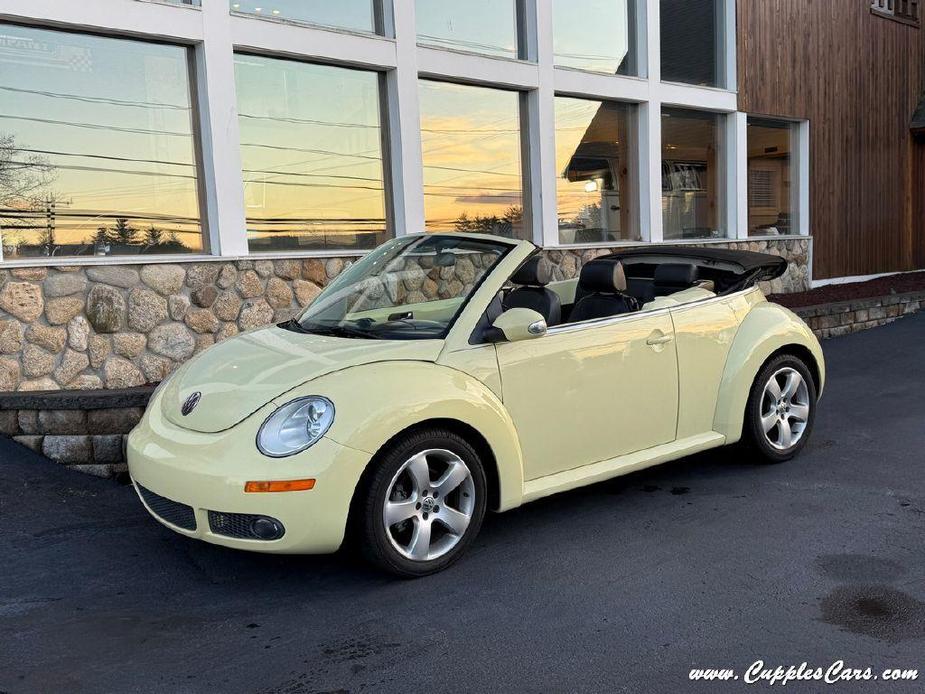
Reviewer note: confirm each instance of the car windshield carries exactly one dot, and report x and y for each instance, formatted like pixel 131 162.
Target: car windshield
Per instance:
pixel 410 288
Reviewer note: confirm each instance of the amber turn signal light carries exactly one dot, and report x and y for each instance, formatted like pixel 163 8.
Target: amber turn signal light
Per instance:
pixel 281 486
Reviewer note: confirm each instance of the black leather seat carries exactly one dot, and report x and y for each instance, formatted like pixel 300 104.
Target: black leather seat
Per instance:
pixel 602 286
pixel 674 277
pixel 533 276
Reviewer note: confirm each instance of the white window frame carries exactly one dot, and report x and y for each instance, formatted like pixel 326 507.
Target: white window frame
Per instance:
pixel 216 33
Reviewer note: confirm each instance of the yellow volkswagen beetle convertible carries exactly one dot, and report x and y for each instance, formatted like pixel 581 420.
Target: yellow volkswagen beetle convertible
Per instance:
pixel 444 375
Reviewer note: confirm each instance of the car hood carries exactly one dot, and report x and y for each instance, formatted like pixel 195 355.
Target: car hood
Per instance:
pixel 237 377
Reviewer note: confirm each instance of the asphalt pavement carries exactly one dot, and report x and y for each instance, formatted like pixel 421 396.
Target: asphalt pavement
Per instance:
pixel 714 561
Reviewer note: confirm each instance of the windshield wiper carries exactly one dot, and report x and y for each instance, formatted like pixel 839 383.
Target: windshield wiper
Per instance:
pixel 338 330
pixel 293 325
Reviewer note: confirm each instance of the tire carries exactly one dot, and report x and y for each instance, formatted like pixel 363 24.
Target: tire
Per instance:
pixel 396 486
pixel 769 418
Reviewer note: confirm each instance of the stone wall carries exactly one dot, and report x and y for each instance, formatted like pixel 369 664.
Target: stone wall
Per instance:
pixel 85 328
pixel 120 326
pixel 846 317
pixel 80 429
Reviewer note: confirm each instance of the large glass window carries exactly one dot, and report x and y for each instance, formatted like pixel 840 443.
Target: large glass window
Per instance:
pixel 694 42
pixel 97 150
pixel 607 43
pixel 311 147
pixel 359 15
pixel 772 178
pixel 693 174
pixel 596 160
pixel 477 26
pixel 472 165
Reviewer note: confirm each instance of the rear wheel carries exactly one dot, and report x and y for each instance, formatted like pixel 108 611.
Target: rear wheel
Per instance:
pixel 781 409
pixel 423 503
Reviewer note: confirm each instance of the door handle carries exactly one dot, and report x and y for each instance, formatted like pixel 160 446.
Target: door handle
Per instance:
pixel 655 340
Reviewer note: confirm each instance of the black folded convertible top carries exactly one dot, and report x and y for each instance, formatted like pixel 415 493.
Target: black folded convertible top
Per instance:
pixel 760 267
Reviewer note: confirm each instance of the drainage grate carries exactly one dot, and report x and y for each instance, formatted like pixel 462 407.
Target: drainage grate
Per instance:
pixel 173 512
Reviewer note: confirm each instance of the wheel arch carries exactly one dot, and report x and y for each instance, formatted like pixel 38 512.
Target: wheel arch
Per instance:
pixel 460 428
pixel 398 397
pixel 766 332
pixel 806 356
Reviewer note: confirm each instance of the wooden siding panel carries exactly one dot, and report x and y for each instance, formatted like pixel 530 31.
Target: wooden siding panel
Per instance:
pixel 857 78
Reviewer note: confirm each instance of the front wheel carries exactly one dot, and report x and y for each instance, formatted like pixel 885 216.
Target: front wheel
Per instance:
pixel 423 503
pixel 781 409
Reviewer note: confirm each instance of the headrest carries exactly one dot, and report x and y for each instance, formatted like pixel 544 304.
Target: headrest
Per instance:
pixel 676 274
pixel 603 276
pixel 536 272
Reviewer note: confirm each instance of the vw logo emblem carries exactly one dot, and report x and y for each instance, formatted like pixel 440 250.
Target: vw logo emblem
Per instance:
pixel 190 403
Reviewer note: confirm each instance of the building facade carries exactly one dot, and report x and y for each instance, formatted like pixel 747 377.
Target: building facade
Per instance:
pixel 172 173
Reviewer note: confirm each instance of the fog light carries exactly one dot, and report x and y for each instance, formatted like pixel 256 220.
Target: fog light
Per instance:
pixel 267 528
pixel 245 526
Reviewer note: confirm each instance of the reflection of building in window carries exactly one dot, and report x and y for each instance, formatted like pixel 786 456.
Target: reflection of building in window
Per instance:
pixel 692 174
pixel 902 10
pixel 595 154
pixel 771 177
pixel 684 176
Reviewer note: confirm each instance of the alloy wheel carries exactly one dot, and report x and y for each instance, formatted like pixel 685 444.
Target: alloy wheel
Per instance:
pixel 429 505
pixel 785 408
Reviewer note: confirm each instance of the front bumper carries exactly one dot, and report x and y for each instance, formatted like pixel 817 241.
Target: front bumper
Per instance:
pixel 207 472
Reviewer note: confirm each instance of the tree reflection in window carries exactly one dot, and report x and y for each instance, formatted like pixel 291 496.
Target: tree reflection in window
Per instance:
pixel 472 163
pixel 93 131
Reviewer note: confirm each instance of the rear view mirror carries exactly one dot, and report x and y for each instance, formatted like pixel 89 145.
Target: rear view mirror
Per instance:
pixel 517 324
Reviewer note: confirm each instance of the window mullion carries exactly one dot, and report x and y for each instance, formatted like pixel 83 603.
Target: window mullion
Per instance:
pixel 653 41
pixel 406 166
pixel 730 63
pixel 650 131
pixel 650 170
pixel 737 175
pixel 803 206
pixel 540 133
pixel 223 206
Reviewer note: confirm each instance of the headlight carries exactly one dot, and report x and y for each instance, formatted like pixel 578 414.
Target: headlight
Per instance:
pixel 295 426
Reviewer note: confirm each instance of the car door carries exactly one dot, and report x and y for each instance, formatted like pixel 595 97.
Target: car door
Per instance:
pixel 704 332
pixel 592 391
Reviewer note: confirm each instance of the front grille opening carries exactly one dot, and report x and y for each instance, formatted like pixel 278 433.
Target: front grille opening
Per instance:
pixel 173 512
pixel 245 526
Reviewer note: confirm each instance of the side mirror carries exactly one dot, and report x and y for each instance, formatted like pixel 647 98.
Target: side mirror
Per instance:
pixel 517 324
